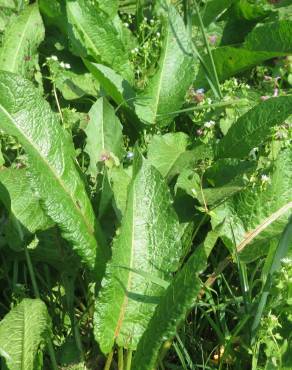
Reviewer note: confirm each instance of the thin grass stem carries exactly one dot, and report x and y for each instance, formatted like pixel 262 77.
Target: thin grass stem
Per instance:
pixel 215 75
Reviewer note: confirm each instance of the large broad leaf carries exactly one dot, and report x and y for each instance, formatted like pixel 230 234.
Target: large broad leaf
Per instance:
pixel 265 42
pixel 219 182
pixel 274 37
pixel 94 34
pixel 114 84
pixel 18 53
pixel 254 127
pixel 22 331
pixel 169 153
pixel 25 213
pixel 247 210
pixel 27 116
pixel 104 134
pixel 166 90
pixel 173 307
pixel 148 242
pixel 213 9
pixel 164 151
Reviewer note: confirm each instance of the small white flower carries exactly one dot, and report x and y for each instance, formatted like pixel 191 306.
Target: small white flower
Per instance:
pixel 286 261
pixel 265 178
pixel 145 19
pixel 133 51
pixel 253 152
pixel 151 21
pixel 136 50
pixel 67 66
pixel 126 24
pixel 200 91
pixel 62 64
pixel 158 34
pixel 54 57
pixel 209 124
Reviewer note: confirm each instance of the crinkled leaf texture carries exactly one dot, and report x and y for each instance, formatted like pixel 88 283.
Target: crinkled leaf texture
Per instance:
pixel 253 127
pixel 247 210
pixel 104 133
pixel 178 299
pixel 52 168
pixel 166 90
pixel 148 241
pixel 94 34
pixel 22 331
pixel 25 213
pixel 22 37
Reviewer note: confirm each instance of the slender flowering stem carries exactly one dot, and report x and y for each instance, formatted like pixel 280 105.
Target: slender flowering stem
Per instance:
pixel 206 106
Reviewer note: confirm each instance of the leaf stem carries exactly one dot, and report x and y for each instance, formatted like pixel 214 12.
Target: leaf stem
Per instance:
pixel 109 360
pixel 121 358
pixel 206 106
pixel 129 359
pixel 215 75
pixel 37 295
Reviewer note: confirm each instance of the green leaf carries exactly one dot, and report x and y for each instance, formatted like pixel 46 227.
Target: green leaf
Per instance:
pixel 249 209
pixel 18 53
pixel 7 4
pixel 280 252
pixel 173 306
pixel 264 42
pixel 275 36
pixel 219 182
pixel 114 84
pixel 164 151
pixel 254 127
pixel 148 241
pixel 73 83
pixel 166 90
pixel 213 9
pixel 110 7
pixel 25 213
pixel 54 13
pixel 52 170
pixel 104 134
pixel 22 331
pixel 120 181
pixel 96 36
pixel 230 61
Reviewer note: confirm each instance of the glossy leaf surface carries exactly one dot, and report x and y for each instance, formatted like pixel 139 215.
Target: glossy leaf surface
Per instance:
pixel 174 305
pixel 253 127
pixel 52 169
pixel 104 134
pixel 248 210
pixel 95 35
pixel 22 37
pixel 166 90
pixel 147 241
pixel 22 331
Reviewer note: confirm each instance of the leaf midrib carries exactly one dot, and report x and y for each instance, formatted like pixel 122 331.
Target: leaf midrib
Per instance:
pixel 58 179
pixel 161 75
pixel 125 301
pixel 21 38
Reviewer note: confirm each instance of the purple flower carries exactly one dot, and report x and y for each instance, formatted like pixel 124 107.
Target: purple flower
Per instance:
pixel 265 97
pixel 212 39
pixel 276 92
pixel 104 157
